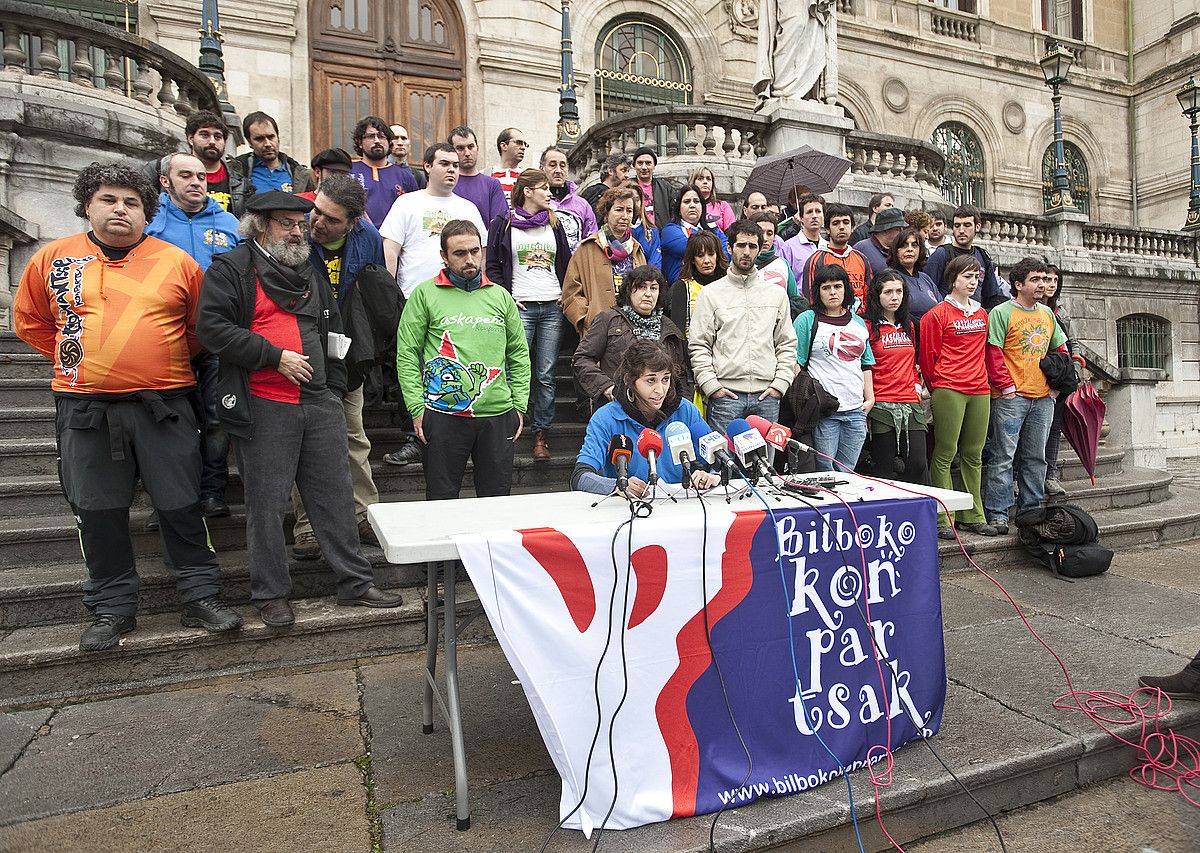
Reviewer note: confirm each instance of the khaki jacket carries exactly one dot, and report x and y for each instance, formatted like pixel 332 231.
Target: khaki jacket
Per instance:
pixel 741 336
pixel 588 288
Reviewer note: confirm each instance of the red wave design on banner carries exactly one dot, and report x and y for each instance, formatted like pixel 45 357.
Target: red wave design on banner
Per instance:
pixel 694 659
pixel 562 561
pixel 650 566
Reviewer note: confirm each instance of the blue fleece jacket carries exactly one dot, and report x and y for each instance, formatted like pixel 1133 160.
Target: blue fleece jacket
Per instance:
pixel 674 244
pixel 363 246
pixel 210 232
pixel 651 244
pixel 612 419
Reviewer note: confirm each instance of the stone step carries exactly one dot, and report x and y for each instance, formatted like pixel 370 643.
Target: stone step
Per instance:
pixel 10 343
pixel 24 392
pixel 26 422
pixel 26 456
pixel 1176 519
pixel 43 663
pixel 25 365
pixel 47 594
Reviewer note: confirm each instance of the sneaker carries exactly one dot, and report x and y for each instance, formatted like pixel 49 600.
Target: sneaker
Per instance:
pixel 981 529
pixel 1054 489
pixel 105 632
pixel 541 450
pixel 211 614
pixel 1182 685
pixel 305 547
pixel 1001 525
pixel 408 453
pixel 945 531
pixel 366 534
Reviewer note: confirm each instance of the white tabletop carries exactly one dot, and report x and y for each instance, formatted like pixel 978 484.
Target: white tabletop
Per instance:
pixel 423 531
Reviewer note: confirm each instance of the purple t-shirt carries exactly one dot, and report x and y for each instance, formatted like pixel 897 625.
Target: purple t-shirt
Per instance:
pixel 383 185
pixel 485 193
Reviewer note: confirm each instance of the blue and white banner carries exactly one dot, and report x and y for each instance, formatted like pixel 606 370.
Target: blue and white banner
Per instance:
pixel 789 636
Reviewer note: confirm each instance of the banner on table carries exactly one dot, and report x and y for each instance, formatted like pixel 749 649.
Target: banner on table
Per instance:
pixel 792 647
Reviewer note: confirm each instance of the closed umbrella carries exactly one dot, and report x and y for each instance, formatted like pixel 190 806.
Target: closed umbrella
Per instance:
pixel 1081 424
pixel 774 176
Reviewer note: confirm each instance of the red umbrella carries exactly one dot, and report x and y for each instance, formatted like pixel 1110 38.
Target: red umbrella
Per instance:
pixel 1081 425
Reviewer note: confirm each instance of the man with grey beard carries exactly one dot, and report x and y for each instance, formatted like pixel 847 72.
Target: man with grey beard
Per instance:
pixel 275 326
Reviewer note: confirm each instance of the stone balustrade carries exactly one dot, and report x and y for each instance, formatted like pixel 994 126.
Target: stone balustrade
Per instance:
pixel 48 43
pixel 1014 229
pixel 1122 240
pixel 894 158
pixel 845 8
pixel 720 138
pixel 954 25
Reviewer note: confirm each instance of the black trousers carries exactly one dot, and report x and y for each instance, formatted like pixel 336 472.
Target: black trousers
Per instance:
pixel 103 447
pixel 451 440
pixel 214 441
pixel 909 462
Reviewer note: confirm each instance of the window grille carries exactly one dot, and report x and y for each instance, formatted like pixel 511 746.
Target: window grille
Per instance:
pixel 963 176
pixel 1077 176
pixel 1144 340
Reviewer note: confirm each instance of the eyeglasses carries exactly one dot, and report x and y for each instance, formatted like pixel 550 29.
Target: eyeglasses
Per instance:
pixel 291 224
pixel 375 136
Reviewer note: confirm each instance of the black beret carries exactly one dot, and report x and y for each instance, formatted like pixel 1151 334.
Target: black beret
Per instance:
pixel 278 200
pixel 333 158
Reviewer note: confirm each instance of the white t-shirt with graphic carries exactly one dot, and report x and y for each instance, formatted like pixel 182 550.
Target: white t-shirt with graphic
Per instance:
pixel 839 355
pixel 533 265
pixel 415 222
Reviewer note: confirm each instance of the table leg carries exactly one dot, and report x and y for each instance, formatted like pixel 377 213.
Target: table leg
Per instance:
pixel 450 620
pixel 431 642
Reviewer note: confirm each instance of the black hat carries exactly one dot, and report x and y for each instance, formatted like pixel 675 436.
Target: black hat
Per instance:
pixel 645 149
pixel 278 200
pixel 333 158
pixel 887 219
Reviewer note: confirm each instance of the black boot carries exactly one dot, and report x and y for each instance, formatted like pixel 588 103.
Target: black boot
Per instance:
pixel 105 632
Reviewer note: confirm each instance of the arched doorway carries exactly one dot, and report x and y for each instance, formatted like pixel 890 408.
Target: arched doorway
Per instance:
pixel 401 60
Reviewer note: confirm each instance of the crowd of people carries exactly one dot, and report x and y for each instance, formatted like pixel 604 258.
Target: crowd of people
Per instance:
pixel 257 298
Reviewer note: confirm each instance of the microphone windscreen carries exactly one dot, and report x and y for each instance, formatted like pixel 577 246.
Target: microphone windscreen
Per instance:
pixel 619 447
pixel 678 440
pixel 649 442
pixel 761 424
pixel 737 426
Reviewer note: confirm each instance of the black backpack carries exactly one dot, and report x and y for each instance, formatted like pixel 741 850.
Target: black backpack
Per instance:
pixel 1064 539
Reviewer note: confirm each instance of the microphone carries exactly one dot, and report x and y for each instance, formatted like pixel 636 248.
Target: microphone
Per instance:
pixel 749 446
pixel 679 444
pixel 776 435
pixel 711 448
pixel 650 445
pixel 620 451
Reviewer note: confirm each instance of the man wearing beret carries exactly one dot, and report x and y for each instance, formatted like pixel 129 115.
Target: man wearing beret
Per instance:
pixel 331 161
pixel 276 328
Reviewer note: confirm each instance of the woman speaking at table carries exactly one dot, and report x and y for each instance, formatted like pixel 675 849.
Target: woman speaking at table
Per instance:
pixel 645 396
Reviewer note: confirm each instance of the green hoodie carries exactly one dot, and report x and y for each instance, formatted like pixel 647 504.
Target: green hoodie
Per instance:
pixel 462 352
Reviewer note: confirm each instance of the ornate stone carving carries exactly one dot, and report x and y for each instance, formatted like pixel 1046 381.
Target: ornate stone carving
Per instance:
pixel 1013 115
pixel 743 18
pixel 895 94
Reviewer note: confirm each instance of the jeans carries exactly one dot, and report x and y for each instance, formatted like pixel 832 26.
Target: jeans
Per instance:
pixel 840 436
pixel 1055 439
pixel 1019 428
pixel 543 332
pixel 721 410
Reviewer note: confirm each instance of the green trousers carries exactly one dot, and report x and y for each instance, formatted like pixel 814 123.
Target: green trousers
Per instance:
pixel 960 425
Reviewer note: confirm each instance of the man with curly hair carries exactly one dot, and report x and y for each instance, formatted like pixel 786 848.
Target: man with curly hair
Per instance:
pixel 115 311
pixel 383 180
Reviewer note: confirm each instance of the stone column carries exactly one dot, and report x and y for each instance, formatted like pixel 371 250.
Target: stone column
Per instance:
pixel 1066 229
pixel 1131 415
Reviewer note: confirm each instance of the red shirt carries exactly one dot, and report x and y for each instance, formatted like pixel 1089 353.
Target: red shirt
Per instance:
pixel 895 373
pixel 952 348
pixel 280 328
pixel 856 265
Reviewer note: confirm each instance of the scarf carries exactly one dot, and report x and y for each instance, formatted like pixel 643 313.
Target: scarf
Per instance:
pixel 620 252
pixel 765 258
pixel 644 327
pixel 463 283
pixel 289 288
pixel 708 278
pixel 525 221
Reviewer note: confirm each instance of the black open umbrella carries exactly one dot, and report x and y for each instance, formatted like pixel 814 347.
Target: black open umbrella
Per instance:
pixel 774 176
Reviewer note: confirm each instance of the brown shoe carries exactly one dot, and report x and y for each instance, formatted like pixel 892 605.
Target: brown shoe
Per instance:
pixel 541 450
pixel 366 533
pixel 277 613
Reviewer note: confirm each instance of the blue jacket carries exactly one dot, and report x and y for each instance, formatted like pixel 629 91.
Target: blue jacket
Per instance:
pixel 650 244
pixel 612 419
pixel 210 232
pixel 363 246
pixel 674 243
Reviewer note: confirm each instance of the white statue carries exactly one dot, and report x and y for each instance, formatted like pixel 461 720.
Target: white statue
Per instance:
pixel 793 47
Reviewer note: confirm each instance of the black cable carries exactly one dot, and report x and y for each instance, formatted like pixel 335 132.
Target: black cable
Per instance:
pixel 919 726
pixel 596 687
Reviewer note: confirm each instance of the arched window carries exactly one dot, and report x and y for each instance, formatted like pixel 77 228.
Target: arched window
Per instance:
pixel 1077 175
pixel 962 179
pixel 1144 340
pixel 639 64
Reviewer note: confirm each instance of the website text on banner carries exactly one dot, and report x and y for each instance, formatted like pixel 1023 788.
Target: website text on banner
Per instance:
pixel 547 593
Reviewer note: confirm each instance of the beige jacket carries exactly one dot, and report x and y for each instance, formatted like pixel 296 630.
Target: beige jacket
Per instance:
pixel 741 336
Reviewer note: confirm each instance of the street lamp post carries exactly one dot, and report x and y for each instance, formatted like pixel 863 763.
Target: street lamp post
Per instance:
pixel 212 63
pixel 1055 65
pixel 1189 101
pixel 568 108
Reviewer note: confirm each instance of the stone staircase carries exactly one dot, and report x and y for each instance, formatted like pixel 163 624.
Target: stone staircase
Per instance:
pixel 42 575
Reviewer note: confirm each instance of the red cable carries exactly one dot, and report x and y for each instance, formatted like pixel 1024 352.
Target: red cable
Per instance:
pixel 1163 754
